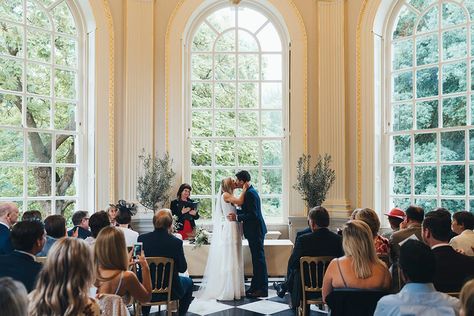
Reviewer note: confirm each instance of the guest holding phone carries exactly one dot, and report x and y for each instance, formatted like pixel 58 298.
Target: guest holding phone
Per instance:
pixel 184 208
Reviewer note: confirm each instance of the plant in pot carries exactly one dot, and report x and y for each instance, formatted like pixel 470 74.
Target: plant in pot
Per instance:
pixel 154 183
pixel 313 183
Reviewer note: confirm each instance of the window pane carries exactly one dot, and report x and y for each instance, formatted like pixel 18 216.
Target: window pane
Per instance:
pixel 272 123
pixel 224 95
pixel 401 180
pixel 454 77
pixel 427 114
pixel 248 123
pixel 429 22
pixel 65 150
pixel 271 153
pixel 427 82
pixel 11 144
pixel 453 205
pixel 248 153
pixel 39 147
pixel 201 67
pixel 454 44
pixel 452 180
pixel 11 73
pixel 205 207
pixel 63 19
pixel 401 145
pixel 39 79
pixel 271 67
pixel 222 19
pixel 425 147
pixel 420 5
pixel 36 16
pixel 272 207
pixel 452 14
pixel 269 39
pixel 225 67
pixel 427 49
pixel 425 180
pixel 10 109
pixel 201 95
pixel 225 124
pixel 271 181
pixel 402 54
pixel 11 38
pixel 471 179
pixel 405 24
pixel 40 111
pixel 65 184
pixel 201 180
pixel 471 144
pixel 402 203
pixel 65 84
pixel 65 116
pixel 65 51
pixel 203 39
pixel 402 86
pixel 271 95
pixel 248 95
pixel 39 181
pixel 225 153
pixel 201 153
pixel 38 45
pixel 247 42
pixel 250 19
pixel 43 206
pixel 201 123
pixel 248 67
pixel 452 146
pixel 454 111
pixel 426 204
pixel 402 117
pixel 226 42
pixel 12 10
pixel 11 181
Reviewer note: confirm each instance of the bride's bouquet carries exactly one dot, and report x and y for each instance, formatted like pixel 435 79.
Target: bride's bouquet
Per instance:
pixel 201 237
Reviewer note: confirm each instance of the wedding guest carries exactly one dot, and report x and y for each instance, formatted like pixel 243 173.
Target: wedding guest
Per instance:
pixel 97 222
pixel 161 243
pixel 80 219
pixel 124 218
pixel 409 228
pixel 112 261
pixel 32 215
pixel 55 226
pixel 467 299
pixel 63 284
pixel 8 217
pixel 13 298
pixel 395 217
pixel 359 268
pixel 112 212
pixel 463 225
pixel 418 296
pixel 28 238
pixel 367 215
pixel 186 215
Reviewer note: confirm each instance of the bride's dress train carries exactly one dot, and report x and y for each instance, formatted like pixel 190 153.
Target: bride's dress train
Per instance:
pixel 224 276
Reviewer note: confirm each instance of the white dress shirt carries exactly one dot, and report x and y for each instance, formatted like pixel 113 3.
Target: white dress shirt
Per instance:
pixel 131 236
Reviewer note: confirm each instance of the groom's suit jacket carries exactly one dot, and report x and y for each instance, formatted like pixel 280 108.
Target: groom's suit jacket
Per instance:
pixel 251 215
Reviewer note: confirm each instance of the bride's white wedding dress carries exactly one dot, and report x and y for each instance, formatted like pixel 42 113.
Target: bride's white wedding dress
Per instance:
pixel 224 274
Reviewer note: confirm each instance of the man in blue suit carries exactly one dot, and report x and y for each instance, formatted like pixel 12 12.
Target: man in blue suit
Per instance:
pixel 8 217
pixel 28 238
pixel 161 243
pixel 254 230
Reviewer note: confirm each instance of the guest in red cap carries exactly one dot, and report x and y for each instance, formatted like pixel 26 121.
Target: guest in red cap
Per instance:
pixel 395 218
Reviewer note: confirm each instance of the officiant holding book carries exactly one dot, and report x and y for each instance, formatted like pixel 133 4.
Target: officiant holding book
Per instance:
pixel 186 211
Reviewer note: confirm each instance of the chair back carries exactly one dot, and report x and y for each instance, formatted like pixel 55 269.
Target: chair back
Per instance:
pixel 312 271
pixel 111 304
pixel 41 260
pixel 353 302
pixel 162 270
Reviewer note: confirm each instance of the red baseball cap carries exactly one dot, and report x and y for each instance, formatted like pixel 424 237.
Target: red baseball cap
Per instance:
pixel 396 212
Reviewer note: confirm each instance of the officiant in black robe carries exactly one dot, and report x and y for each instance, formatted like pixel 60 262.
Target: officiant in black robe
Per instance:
pixel 185 209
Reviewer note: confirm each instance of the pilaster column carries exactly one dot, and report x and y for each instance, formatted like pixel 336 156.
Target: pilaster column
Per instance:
pixel 332 133
pixel 137 130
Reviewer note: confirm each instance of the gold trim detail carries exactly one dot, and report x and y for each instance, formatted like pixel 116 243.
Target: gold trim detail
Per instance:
pixel 359 101
pixel 111 99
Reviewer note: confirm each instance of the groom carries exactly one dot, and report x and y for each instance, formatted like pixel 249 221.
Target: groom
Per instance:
pixel 254 231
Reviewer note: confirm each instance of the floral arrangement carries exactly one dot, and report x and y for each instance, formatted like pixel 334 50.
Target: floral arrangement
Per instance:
pixel 201 237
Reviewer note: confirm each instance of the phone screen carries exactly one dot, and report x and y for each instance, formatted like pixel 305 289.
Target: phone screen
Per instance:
pixel 137 249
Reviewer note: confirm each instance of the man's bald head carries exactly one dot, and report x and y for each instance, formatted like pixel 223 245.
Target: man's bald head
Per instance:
pixel 9 213
pixel 163 219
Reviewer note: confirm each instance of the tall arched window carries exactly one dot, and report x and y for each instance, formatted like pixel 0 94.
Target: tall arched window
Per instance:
pixel 40 103
pixel 237 100
pixel 430 112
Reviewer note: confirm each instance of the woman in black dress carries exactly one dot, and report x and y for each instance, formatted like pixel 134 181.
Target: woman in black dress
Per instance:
pixel 182 208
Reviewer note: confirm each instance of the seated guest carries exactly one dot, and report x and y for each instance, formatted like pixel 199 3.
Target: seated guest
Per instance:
pixel 320 242
pixel 55 226
pixel 186 215
pixel 369 216
pixel 418 296
pixel 161 243
pixel 452 268
pixel 8 217
pixel 80 219
pixel 359 268
pixel 63 284
pixel 124 218
pixel 463 225
pixel 97 222
pixel 410 226
pixel 13 298
pixel 112 212
pixel 32 215
pixel 112 261
pixel 395 217
pixel 28 238
pixel 467 299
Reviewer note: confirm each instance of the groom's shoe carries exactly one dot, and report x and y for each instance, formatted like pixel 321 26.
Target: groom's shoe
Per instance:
pixel 279 289
pixel 257 293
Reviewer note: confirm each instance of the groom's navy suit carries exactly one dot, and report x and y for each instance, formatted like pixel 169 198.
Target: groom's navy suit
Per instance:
pixel 254 230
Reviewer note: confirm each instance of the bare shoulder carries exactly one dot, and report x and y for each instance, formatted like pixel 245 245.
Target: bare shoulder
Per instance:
pixel 226 196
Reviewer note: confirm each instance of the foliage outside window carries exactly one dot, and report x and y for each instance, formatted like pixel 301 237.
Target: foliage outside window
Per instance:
pixel 237 119
pixel 39 139
pixel 431 132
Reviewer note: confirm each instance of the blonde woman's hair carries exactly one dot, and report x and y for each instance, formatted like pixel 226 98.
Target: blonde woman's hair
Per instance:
pixel 368 216
pixel 64 282
pixel 226 185
pixel 358 243
pixel 467 298
pixel 110 251
pixel 13 297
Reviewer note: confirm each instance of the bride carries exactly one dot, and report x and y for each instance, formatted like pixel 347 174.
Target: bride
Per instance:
pixel 224 274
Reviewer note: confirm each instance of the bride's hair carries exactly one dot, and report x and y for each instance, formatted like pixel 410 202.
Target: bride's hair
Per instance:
pixel 226 185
